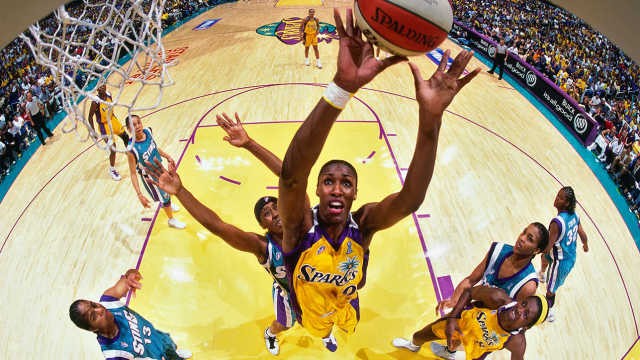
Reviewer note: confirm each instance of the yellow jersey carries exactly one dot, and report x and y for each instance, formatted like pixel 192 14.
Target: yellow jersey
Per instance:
pixel 481 332
pixel 103 116
pixel 311 28
pixel 324 277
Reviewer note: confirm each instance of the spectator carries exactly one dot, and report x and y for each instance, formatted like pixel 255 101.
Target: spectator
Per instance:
pixel 628 178
pixel 612 150
pixel 4 167
pixel 602 141
pixel 621 161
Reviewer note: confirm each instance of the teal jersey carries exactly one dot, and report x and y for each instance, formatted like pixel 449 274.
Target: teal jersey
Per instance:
pixel 565 248
pixel 146 150
pixel 136 338
pixel 275 264
pixel 498 253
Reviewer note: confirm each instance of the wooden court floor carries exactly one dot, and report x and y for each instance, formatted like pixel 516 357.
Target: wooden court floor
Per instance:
pixel 68 231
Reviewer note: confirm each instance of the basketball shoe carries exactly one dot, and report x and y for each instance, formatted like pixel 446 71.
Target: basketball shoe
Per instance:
pixel 404 343
pixel 175 223
pixel 271 342
pixel 330 342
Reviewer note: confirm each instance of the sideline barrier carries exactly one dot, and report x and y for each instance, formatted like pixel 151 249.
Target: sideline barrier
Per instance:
pixel 565 108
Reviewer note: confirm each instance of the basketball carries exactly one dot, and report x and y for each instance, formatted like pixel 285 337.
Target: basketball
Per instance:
pixel 404 27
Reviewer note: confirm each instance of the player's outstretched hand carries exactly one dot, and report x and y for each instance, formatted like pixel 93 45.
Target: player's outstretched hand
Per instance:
pixel 585 247
pixel 167 180
pixel 444 304
pixel 236 135
pixel 133 277
pixel 356 63
pixel 436 93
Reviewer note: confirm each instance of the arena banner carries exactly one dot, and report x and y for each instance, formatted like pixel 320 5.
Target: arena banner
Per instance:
pixel 572 115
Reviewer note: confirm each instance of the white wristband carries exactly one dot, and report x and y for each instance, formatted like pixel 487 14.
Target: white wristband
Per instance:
pixel 336 96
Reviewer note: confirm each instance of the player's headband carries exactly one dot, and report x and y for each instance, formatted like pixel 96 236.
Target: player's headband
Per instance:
pixel 544 309
pixel 257 209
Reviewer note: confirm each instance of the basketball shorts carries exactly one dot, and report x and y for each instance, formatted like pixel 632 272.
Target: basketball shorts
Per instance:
pixel 282 306
pixel 345 318
pixel 115 124
pixel 557 272
pixel 310 39
pixel 439 327
pixel 155 192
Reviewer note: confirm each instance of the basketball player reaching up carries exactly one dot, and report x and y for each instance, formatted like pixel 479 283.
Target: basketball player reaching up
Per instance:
pixel 105 117
pixel 121 332
pixel 267 248
pixel 505 267
pixel 144 149
pixel 564 230
pixel 325 246
pixel 482 330
pixel 309 29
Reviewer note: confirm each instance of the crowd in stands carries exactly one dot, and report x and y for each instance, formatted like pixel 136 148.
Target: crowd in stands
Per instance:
pixel 581 62
pixel 20 74
pixel 576 57
pixel 177 10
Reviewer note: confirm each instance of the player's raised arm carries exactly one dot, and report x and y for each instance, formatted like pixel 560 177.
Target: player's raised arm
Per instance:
pixel 465 285
pixel 169 181
pixel 433 96
pixel 238 137
pixel 129 281
pixel 356 67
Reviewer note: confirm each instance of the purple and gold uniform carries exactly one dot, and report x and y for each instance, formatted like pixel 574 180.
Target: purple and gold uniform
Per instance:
pixel 106 115
pixel 481 332
pixel 324 277
pixel 311 32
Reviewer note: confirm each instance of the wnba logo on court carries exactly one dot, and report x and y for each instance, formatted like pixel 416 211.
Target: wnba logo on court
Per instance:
pixel 580 124
pixel 531 78
pixel 492 51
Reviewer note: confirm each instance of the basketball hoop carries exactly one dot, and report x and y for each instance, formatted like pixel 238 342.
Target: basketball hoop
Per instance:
pixel 84 49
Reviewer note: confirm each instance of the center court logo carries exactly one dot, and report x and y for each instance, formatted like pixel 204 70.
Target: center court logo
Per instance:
pixel 288 31
pixel 531 78
pixel 580 124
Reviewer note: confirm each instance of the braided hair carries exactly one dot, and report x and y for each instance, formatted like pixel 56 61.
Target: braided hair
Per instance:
pixel 571 197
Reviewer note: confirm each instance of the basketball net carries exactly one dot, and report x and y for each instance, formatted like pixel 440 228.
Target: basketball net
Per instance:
pixel 82 50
